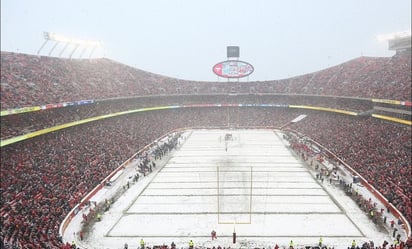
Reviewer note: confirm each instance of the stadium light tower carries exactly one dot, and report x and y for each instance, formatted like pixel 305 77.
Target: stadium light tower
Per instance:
pixel 46 39
pixel 76 43
pixel 399 41
pixel 391 36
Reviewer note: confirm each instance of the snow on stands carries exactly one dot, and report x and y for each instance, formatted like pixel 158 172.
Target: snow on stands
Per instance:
pixel 257 188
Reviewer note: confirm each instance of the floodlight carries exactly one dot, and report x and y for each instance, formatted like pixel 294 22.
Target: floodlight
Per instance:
pixel 391 36
pixel 77 43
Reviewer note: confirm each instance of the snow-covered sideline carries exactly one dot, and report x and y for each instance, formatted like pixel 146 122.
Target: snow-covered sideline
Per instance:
pixel 252 185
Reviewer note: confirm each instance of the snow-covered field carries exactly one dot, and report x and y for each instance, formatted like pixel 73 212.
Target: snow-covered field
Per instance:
pixel 253 185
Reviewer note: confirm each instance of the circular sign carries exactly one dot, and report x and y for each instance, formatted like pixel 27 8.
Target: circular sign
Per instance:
pixel 233 69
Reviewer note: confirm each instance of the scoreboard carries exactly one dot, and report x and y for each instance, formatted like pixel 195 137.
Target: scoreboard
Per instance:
pixel 233 51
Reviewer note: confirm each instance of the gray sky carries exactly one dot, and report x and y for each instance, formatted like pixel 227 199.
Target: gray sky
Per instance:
pixel 185 38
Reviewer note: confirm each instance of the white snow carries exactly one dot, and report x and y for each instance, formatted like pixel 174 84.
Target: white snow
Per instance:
pixel 257 188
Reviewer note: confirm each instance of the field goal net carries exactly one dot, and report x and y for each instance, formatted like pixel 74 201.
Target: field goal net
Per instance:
pixel 234 194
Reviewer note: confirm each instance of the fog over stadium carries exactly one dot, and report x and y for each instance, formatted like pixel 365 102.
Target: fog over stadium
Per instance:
pixel 184 39
pixel 137 124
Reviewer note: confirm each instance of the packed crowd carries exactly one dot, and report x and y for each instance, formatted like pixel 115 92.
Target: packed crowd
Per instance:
pixel 44 177
pixel 145 161
pixel 28 80
pixel 378 150
pixel 19 124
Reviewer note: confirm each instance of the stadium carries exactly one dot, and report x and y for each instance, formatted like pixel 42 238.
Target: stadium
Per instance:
pixel 96 153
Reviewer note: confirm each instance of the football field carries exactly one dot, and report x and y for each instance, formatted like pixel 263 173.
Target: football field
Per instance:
pixel 251 184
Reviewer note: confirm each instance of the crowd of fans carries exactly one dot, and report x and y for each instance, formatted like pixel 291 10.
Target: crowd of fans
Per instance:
pixel 378 150
pixel 19 124
pixel 28 80
pixel 44 177
pixel 145 161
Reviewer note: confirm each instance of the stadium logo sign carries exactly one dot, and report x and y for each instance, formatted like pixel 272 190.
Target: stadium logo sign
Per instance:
pixel 233 69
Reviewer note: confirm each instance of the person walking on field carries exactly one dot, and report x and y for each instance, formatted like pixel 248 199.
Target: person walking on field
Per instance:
pixel 213 233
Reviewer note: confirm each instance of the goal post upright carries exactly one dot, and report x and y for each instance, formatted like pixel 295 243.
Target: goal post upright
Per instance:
pixel 251 195
pixel 218 194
